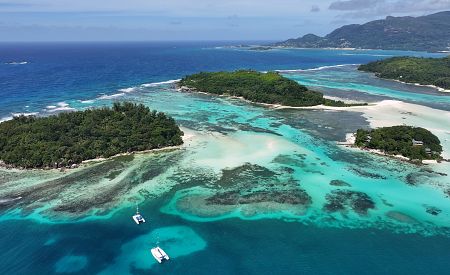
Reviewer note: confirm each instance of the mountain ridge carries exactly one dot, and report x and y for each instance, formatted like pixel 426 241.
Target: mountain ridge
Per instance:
pixel 423 33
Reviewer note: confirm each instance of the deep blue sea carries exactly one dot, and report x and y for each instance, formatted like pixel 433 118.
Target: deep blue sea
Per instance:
pixel 78 222
pixel 82 71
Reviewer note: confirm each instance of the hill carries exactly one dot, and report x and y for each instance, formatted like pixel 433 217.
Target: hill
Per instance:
pixel 70 138
pixel 424 33
pixel 271 88
pixel 412 142
pixel 424 71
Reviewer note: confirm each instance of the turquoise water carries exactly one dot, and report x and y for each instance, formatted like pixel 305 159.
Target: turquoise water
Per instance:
pixel 348 83
pixel 253 190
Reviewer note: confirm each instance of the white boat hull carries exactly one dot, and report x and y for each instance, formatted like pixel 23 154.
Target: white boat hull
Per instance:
pixel 138 219
pixel 159 254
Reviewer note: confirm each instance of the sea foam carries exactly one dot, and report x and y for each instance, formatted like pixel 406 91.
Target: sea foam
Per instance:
pixel 125 91
pixel 316 69
pixel 16 63
pixel 60 106
pixel 155 84
pixel 111 96
pixel 13 115
pixel 128 90
pixel 87 101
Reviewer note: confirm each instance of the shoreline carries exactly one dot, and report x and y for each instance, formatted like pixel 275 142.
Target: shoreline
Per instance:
pixel 379 114
pixel 350 143
pixel 393 112
pixel 186 137
pixel 439 89
pixel 355 49
pixel 88 161
pixel 184 89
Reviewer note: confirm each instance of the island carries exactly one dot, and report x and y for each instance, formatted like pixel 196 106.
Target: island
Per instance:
pixel 268 88
pixel 67 139
pixel 423 71
pixel 414 143
pixel 424 33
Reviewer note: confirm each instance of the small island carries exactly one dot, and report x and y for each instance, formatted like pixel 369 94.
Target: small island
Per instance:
pixel 414 143
pixel 67 139
pixel 423 71
pixel 269 88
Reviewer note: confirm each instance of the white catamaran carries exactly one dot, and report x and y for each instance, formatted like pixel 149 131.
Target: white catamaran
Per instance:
pixel 138 219
pixel 159 254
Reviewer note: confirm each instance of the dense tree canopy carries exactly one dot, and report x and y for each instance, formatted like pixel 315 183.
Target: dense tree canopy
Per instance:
pixel 398 140
pixel 70 138
pixel 269 87
pixel 425 71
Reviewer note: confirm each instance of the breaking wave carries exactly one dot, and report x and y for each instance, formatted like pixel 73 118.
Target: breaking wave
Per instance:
pixel 155 84
pixel 16 63
pixel 317 69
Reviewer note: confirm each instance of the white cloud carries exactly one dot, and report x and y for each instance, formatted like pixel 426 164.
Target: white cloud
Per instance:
pixel 211 8
pixel 315 8
pixel 387 7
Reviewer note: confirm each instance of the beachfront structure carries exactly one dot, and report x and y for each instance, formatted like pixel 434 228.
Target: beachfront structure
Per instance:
pixel 417 142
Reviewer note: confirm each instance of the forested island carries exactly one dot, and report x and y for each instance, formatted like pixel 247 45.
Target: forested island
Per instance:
pixel 69 138
pixel 423 33
pixel 424 71
pixel 414 143
pixel 270 88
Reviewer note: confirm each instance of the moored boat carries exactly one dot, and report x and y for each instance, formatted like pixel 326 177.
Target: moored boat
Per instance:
pixel 138 218
pixel 159 254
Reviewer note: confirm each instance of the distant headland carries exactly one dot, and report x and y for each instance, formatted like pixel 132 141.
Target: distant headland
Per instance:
pixel 423 71
pixel 424 33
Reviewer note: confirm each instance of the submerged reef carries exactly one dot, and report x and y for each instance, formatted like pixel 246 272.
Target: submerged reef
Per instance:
pixel 293 197
pixel 96 188
pixel 343 200
pixel 251 189
pixel 363 173
pixel 339 183
pixel 252 183
pixel 433 210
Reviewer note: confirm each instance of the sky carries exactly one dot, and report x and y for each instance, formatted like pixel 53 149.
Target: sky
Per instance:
pixel 142 20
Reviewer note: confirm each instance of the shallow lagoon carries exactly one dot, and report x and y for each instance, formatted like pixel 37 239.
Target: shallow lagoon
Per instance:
pixel 249 181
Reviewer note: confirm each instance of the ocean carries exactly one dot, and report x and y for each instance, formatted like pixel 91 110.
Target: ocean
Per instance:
pixel 253 190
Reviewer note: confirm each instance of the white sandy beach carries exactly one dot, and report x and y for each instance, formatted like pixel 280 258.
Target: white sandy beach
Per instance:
pixel 188 137
pixel 388 113
pixel 393 112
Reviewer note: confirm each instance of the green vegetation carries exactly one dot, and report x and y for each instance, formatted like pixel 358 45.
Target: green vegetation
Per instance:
pixel 269 87
pixel 70 138
pixel 423 33
pixel 339 103
pixel 425 71
pixel 258 87
pixel 398 140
